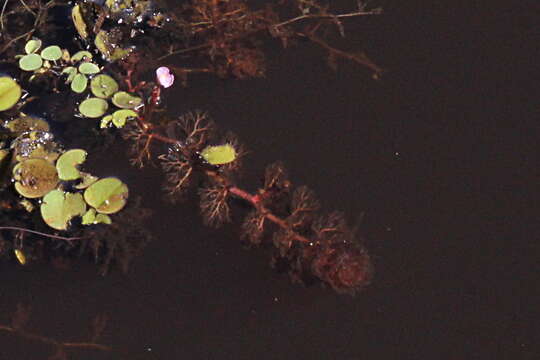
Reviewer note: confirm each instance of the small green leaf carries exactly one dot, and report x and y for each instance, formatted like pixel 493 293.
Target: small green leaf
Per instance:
pixel 107 195
pixel 30 62
pixel 103 86
pixel 10 93
pixel 78 21
pixel 51 53
pixel 58 208
pixel 89 217
pixel 219 155
pixel 86 180
pixel 103 219
pixel 119 117
pixel 34 177
pixel 93 107
pixel 79 83
pixel 108 49
pixel 81 55
pixel 67 164
pixel 105 121
pixel 32 46
pixel 71 71
pixel 125 100
pixel 89 68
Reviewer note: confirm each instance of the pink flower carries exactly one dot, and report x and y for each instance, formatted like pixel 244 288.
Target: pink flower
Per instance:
pixel 164 76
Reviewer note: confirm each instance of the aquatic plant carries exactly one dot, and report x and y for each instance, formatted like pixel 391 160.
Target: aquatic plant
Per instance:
pixel 223 38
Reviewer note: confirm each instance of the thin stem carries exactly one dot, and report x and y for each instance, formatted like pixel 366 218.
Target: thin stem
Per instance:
pixel 51 341
pixel 40 233
pixel 254 200
pixel 322 16
pixel 27 8
pixel 2 14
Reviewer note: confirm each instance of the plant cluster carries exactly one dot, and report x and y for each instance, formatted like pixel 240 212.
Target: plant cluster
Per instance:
pixel 220 36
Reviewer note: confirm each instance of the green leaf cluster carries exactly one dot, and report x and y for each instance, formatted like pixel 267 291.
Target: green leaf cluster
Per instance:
pixel 82 74
pixel 94 199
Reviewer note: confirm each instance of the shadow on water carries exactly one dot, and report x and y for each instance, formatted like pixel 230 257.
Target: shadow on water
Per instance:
pixel 403 151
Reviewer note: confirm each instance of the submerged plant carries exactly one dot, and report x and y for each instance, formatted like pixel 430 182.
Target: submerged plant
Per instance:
pixel 223 38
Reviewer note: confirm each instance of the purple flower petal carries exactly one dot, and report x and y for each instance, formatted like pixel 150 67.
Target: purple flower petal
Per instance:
pixel 164 76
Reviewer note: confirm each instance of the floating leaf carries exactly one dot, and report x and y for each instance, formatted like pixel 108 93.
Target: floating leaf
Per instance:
pixel 67 164
pixel 78 21
pixel 71 71
pixel 51 53
pixel 103 86
pixel 10 93
pixel 30 62
pixel 107 195
pixel 32 46
pixel 93 107
pixel 219 155
pixel 87 180
pixel 81 55
pixel 119 117
pixel 59 207
pixel 27 123
pixel 89 68
pixel 41 152
pixel 79 83
pixel 108 49
pixel 91 218
pixel 125 100
pixel 106 121
pixel 65 55
pixel 34 177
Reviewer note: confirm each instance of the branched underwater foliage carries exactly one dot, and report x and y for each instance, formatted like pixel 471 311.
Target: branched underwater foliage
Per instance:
pixel 221 37
pixel 309 245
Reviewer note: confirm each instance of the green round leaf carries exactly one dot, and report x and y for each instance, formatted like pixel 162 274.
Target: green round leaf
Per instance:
pixel 30 62
pixel 58 208
pixel 119 117
pixel 125 100
pixel 71 71
pixel 89 68
pixel 219 155
pixel 67 164
pixel 107 195
pixel 10 93
pixel 34 177
pixel 93 107
pixel 51 53
pixel 79 83
pixel 103 86
pixel 81 55
pixel 32 46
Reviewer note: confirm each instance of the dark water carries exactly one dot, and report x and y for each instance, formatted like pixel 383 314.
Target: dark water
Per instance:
pixel 436 155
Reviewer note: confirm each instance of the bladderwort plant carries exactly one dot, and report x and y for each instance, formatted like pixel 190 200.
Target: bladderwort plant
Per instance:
pixel 109 67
